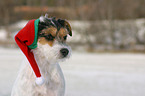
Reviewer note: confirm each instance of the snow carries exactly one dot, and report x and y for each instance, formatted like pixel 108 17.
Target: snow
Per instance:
pixel 20 24
pixel 126 31
pixel 86 74
pixel 3 34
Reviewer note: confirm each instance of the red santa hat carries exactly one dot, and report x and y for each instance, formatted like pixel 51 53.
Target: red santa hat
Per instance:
pixel 26 39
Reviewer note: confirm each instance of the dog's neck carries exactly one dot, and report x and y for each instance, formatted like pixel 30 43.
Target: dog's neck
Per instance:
pixel 42 62
pixel 53 77
pixel 48 69
pixel 51 71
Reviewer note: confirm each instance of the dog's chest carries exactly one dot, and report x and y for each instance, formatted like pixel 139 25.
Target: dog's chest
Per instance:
pixel 54 80
pixel 53 75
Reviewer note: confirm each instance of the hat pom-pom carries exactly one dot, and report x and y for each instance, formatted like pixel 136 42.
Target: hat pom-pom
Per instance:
pixel 39 80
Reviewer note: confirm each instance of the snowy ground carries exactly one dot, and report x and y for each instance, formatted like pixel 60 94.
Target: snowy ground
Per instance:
pixel 86 74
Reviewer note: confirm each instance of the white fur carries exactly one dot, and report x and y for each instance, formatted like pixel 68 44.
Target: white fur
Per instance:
pixel 47 58
pixel 41 18
pixel 46 15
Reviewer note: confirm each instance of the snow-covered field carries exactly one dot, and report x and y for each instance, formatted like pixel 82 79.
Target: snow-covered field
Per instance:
pixel 86 74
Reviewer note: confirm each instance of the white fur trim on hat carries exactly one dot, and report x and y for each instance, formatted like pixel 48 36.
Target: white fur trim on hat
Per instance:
pixel 39 80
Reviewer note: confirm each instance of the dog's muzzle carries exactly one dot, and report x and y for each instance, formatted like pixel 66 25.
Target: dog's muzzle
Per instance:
pixel 64 52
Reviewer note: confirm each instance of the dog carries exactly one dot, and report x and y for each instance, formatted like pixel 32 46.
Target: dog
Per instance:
pixel 51 49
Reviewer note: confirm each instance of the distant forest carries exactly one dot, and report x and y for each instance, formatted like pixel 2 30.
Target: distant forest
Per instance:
pixel 14 10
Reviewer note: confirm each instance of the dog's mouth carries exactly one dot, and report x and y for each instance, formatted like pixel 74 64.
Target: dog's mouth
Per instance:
pixel 58 52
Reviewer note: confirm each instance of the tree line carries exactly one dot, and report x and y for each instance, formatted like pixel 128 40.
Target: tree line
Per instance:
pixel 74 9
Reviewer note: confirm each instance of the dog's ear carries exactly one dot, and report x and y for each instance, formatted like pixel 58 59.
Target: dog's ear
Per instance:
pixel 68 27
pixel 65 24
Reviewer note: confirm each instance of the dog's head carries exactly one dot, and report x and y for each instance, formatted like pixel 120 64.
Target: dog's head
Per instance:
pixel 52 36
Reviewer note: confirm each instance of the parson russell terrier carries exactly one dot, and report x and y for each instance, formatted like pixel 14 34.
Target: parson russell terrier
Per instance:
pixel 42 76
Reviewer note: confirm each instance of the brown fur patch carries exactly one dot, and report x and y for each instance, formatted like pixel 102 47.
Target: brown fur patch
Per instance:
pixel 62 32
pixel 43 41
pixel 51 30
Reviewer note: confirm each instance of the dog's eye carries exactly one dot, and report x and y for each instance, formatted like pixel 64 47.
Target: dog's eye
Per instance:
pixel 49 37
pixel 65 37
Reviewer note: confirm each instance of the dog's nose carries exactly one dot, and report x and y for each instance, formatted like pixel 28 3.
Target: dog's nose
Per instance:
pixel 64 52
